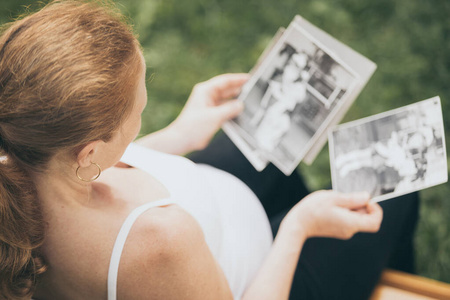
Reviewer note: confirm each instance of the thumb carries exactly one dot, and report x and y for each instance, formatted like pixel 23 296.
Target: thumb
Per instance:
pixel 352 200
pixel 371 221
pixel 228 110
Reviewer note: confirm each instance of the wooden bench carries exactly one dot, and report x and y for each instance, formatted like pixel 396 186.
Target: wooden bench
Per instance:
pixel 402 286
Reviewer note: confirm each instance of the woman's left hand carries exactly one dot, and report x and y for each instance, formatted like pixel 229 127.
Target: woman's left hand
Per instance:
pixel 210 104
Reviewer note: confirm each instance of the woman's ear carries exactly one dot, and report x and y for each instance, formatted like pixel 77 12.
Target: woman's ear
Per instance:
pixel 86 155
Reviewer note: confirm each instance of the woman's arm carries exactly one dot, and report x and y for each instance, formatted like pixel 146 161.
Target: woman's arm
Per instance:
pixel 324 214
pixel 166 256
pixel 167 140
pixel 274 279
pixel 210 104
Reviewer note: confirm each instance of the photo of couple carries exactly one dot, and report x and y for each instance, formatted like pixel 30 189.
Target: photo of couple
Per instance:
pixel 292 98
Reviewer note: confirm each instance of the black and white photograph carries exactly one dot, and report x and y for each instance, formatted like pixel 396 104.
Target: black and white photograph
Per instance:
pixel 392 153
pixel 291 97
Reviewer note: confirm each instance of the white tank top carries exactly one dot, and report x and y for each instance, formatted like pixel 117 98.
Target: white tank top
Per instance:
pixel 233 220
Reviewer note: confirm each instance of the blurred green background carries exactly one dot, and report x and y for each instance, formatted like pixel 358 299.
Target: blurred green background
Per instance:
pixel 190 41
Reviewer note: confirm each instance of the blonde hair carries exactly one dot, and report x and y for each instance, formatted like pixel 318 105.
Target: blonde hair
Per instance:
pixel 68 76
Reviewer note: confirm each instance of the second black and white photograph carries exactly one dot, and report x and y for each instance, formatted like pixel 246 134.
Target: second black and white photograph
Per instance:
pixel 392 153
pixel 291 98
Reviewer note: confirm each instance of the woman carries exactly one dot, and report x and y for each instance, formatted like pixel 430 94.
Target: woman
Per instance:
pixel 77 224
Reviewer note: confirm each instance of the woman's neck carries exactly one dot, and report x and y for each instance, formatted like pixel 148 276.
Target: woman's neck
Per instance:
pixel 59 186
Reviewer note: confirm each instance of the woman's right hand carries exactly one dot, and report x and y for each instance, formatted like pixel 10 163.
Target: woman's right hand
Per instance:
pixel 334 214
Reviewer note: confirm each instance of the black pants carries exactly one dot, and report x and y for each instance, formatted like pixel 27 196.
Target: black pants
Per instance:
pixel 328 268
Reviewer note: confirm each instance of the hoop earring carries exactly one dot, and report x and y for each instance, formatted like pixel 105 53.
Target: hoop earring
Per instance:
pixel 93 178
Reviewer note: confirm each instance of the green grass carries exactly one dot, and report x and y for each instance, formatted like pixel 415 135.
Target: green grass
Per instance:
pixel 189 41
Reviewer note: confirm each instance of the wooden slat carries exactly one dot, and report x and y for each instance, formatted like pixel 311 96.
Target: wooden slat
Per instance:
pixel 383 292
pixel 412 284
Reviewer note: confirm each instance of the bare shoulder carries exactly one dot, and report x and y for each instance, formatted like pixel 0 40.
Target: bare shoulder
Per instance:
pixel 166 257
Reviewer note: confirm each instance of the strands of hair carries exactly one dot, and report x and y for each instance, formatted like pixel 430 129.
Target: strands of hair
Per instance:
pixel 67 77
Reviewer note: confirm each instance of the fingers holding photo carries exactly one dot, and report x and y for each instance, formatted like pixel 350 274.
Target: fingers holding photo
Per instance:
pixel 365 215
pixel 337 215
pixel 226 86
pixel 368 219
pixel 351 200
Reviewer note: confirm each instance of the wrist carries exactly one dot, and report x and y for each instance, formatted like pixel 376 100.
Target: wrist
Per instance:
pixel 180 137
pixel 188 135
pixel 293 225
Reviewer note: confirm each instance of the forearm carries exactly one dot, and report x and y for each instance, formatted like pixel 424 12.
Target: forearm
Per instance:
pixel 167 140
pixel 274 279
pixel 207 108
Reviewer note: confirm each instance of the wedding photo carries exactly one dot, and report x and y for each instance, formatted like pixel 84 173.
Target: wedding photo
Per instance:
pixel 390 154
pixel 291 98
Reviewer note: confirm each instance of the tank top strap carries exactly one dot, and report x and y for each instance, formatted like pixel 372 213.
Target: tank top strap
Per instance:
pixel 120 243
